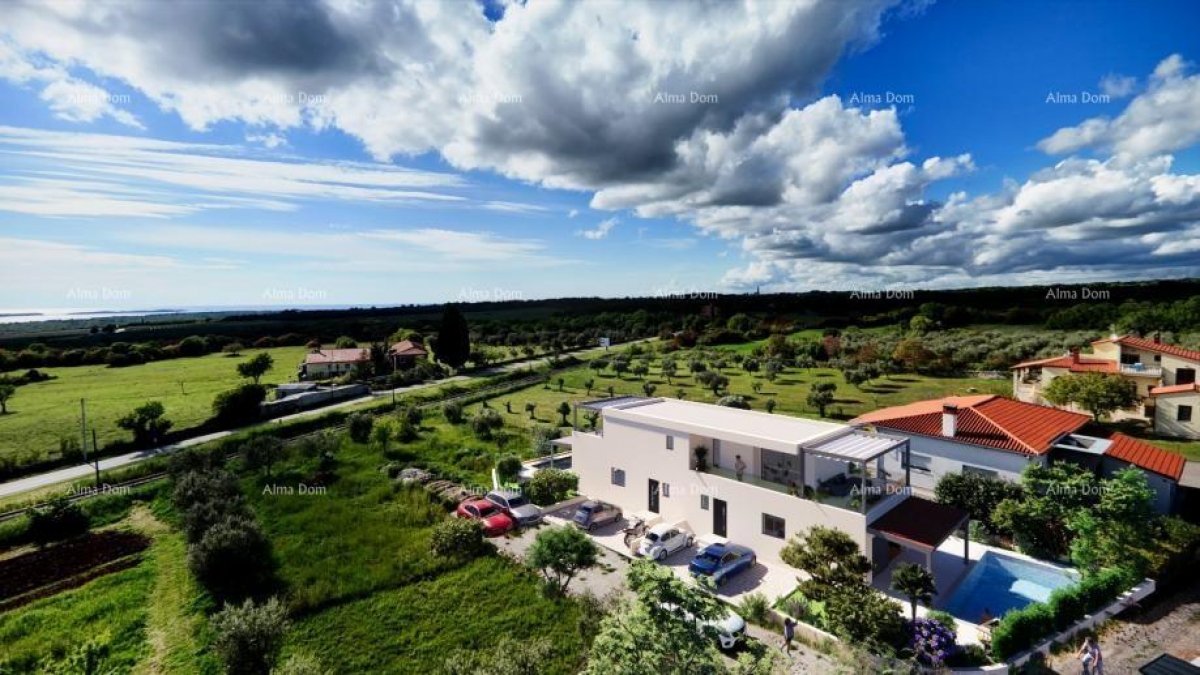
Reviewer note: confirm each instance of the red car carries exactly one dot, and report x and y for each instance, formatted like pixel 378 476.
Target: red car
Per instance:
pixel 495 522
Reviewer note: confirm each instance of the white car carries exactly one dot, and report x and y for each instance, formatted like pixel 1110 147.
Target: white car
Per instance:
pixel 729 629
pixel 662 540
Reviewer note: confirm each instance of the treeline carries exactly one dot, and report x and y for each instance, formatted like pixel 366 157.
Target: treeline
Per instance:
pixel 119 354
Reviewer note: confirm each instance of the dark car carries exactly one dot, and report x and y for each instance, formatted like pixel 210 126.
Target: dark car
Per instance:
pixel 592 514
pixel 719 562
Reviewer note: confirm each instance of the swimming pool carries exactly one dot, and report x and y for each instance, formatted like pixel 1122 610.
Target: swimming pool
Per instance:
pixel 999 583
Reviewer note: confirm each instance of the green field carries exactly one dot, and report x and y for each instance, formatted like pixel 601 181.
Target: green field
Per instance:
pixel 44 413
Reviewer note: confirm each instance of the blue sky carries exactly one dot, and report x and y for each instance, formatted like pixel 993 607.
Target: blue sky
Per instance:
pixel 153 156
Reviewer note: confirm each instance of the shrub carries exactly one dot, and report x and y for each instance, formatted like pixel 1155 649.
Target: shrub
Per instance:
pixel 944 618
pixel 931 641
pixel 459 538
pixel 232 559
pixel 453 412
pixel 550 486
pixel 755 608
pixel 485 423
pixel 301 664
pixel 1021 628
pixel 508 468
pixel 249 636
pixel 61 519
pixel 240 405
pixel 734 402
pixel 359 425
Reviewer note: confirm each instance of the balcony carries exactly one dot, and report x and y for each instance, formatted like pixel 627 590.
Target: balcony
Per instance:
pixel 1139 370
pixel 845 494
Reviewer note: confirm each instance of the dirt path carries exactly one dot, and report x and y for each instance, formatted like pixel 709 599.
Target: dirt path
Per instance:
pixel 171 629
pixel 1172 625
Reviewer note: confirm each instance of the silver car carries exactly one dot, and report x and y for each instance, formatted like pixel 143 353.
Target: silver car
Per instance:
pixel 516 506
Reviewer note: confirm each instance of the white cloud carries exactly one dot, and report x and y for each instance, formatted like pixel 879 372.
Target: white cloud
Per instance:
pixel 1117 86
pixel 601 231
pixel 1161 120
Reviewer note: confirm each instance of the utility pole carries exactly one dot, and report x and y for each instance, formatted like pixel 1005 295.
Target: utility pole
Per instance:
pixel 83 428
pixel 96 454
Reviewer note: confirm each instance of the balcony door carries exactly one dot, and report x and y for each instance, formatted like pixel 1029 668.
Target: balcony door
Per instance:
pixel 652 496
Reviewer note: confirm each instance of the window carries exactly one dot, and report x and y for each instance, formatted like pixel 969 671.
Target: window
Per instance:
pixel 703 502
pixel 978 471
pixel 618 477
pixel 670 442
pixel 716 452
pixel 666 490
pixel 1185 375
pixel 919 463
pixel 773 526
pixel 1184 414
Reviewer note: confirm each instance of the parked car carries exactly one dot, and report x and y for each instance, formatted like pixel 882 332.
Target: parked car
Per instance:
pixel 729 629
pixel 495 522
pixel 516 506
pixel 591 514
pixel 719 562
pixel 662 540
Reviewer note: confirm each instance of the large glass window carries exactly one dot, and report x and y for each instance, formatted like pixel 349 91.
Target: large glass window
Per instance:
pixel 780 467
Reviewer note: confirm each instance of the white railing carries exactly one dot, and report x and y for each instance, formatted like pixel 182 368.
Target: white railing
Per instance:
pixel 1139 369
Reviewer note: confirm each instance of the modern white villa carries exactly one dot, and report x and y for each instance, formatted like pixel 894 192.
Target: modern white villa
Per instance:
pixel 755 478
pixel 999 437
pixel 1165 375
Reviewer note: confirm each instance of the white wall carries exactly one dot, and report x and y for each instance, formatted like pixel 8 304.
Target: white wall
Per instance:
pixel 641 452
pixel 948 456
pixel 1166 412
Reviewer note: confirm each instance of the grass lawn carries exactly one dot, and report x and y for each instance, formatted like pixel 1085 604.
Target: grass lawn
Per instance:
pixel 42 414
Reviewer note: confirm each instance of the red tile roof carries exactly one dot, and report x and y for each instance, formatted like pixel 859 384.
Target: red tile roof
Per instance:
pixel 920 521
pixel 1151 345
pixel 990 421
pixel 407 348
pixel 338 356
pixel 1149 457
pixel 1080 364
pixel 1175 389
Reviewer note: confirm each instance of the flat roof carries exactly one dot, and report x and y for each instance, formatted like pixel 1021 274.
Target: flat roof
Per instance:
pixel 1166 664
pixel 728 423
pixel 614 402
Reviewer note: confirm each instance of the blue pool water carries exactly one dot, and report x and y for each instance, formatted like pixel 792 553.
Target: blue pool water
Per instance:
pixel 1000 583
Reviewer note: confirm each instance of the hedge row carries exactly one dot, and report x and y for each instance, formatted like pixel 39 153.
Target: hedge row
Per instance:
pixel 1023 628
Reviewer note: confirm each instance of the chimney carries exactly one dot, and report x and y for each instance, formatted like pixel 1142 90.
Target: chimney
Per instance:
pixel 1158 338
pixel 1074 354
pixel 949 420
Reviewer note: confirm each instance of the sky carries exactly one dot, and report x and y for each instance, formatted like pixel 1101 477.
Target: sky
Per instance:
pixel 350 152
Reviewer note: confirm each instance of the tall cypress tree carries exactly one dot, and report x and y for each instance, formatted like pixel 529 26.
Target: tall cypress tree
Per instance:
pixel 454 338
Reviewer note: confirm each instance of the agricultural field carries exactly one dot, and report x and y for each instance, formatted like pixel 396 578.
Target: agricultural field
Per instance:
pixel 789 390
pixel 43 414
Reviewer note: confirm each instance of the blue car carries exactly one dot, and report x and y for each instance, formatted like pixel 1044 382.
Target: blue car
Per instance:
pixel 722 561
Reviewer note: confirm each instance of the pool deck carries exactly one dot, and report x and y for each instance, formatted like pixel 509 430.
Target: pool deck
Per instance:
pixel 948 572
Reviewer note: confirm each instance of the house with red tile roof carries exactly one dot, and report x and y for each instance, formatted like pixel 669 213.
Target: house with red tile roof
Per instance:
pixel 406 353
pixel 323 364
pixel 1165 376
pixel 998 437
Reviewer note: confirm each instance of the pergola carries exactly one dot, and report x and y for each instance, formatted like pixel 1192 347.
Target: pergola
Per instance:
pixel 860 447
pixel 923 525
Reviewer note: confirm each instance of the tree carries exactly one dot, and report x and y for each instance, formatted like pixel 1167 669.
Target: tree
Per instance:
pixel 561 553
pixel 233 349
pixel 912 353
pixel 485 423
pixel 60 519
pixel 7 391
pixel 1097 393
pixel 359 425
pixel 256 367
pixel 453 338
pixel 232 558
pixel 261 452
pixel 664 628
pixel 770 405
pixel 345 342
pixel 147 423
pixel 639 370
pixel 977 494
pixel 249 636
pixel 589 384
pixel 550 486
pixel 820 396
pixel 734 402
pixel 1115 533
pixel 508 468
pixel 669 369
pixel 649 388
pixel 563 410
pixel 509 656
pixel 1051 495
pixel 382 435
pixel 531 408
pixel 459 538
pixel 239 405
pixel 915 583
pixel 831 559
pixel 453 412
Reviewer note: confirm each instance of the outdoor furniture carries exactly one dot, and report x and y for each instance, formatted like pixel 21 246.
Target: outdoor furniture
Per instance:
pixel 838 486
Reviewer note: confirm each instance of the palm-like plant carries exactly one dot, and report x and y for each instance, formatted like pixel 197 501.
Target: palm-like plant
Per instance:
pixel 915 583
